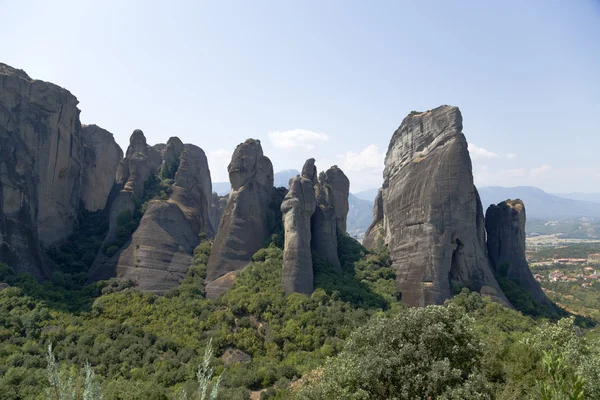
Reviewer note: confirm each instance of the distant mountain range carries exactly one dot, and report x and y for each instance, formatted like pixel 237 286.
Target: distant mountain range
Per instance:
pixel 540 204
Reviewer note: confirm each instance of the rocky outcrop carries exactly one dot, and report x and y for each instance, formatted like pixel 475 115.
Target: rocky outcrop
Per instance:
pixel 141 160
pixel 338 186
pixel 41 161
pixel 329 219
pixel 101 158
pixel 374 235
pixel 217 206
pixel 297 208
pixel 244 226
pixel 433 215
pixel 312 223
pixel 160 250
pixel 505 225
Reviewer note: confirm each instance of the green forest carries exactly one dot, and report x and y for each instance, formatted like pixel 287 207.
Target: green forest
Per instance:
pixel 351 339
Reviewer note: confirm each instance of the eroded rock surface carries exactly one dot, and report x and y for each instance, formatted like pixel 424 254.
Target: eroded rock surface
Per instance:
pixel 160 250
pixel 505 225
pixel 375 233
pixel 217 206
pixel 297 208
pixel 41 163
pixel 433 217
pixel 102 156
pixel 244 226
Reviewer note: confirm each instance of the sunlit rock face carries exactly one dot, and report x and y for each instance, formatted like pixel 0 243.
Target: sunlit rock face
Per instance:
pixel 245 225
pixel 160 251
pixel 297 208
pixel 434 223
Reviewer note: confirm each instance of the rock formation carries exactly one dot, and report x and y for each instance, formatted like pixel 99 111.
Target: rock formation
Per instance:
pixel 102 156
pixel 314 215
pixel 160 250
pixel 338 186
pixel 505 225
pixel 329 219
pixel 297 208
pixel 44 171
pixel 217 206
pixel 433 215
pixel 244 226
pixel 374 235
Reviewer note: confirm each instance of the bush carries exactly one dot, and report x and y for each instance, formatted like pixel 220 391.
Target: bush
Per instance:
pixel 422 353
pixel 111 250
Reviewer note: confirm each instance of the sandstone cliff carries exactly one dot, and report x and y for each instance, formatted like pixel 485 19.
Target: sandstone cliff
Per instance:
pixel 45 167
pixel 160 250
pixel 314 215
pixel 102 156
pixel 433 216
pixel 505 225
pixel 297 208
pixel 217 206
pixel 244 226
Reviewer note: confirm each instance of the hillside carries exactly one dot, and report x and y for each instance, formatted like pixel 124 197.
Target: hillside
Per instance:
pixel 540 204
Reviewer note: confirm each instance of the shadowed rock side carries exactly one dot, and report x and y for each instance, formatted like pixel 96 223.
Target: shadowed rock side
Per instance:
pixel 133 172
pixel 217 206
pixel 432 211
pixel 42 165
pixel 160 251
pixel 338 186
pixel 244 225
pixel 505 225
pixel 297 208
pixel 329 219
pixel 375 233
pixel 102 156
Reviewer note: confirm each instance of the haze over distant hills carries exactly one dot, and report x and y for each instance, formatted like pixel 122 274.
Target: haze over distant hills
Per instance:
pixel 593 197
pixel 540 204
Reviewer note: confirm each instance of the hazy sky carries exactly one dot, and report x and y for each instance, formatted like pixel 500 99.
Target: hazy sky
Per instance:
pixel 330 79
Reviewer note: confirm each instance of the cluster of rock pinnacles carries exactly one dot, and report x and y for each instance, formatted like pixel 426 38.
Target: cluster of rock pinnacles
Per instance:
pixel 428 212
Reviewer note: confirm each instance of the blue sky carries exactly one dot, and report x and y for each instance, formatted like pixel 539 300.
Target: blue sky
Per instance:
pixel 330 79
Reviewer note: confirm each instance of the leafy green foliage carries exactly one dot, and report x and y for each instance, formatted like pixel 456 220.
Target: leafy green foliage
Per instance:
pixel 421 353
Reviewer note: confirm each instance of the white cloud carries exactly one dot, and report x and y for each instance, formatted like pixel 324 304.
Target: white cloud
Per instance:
pixel 369 157
pixel 479 153
pixel 485 176
pixel 218 160
pixel 364 169
pixel 297 138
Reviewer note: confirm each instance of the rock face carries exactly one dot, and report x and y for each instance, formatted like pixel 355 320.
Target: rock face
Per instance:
pixel 374 236
pixel 338 186
pixel 160 250
pixel 297 209
pixel 314 215
pixel 43 168
pixel 433 215
pixel 217 206
pixel 505 225
pixel 244 226
pixel 102 156
pixel 329 219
